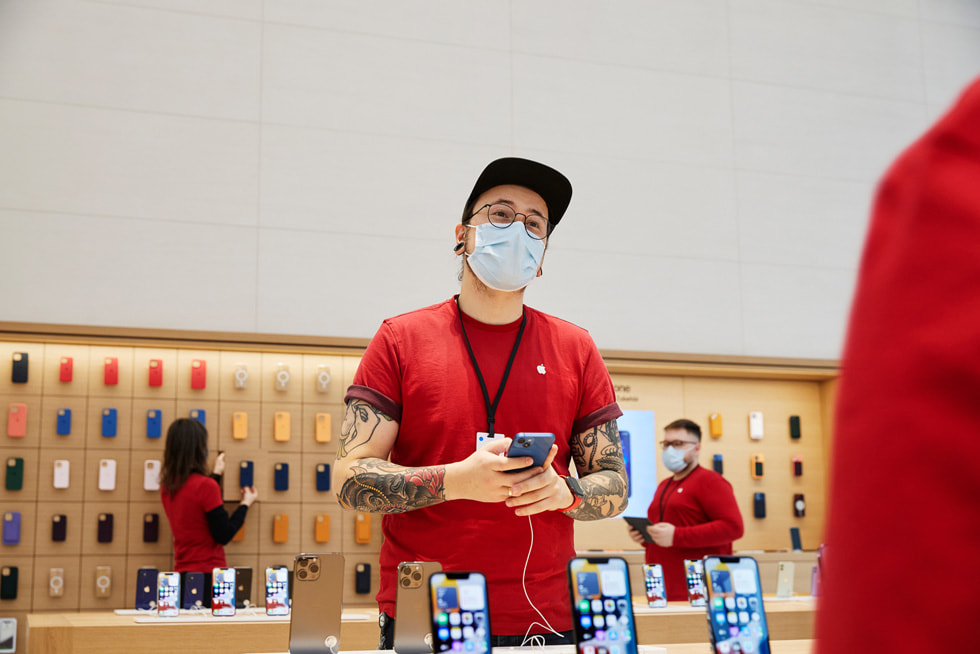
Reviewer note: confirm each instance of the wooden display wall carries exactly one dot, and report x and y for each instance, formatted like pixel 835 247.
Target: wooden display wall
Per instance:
pixel 796 392
pixel 87 396
pixel 672 391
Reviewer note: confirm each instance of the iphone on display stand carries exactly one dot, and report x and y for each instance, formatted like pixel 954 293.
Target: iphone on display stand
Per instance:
pixel 223 591
pixel 735 612
pixel 459 612
pixel 784 579
pixel 277 590
pixel 694 572
pixel 602 607
pixel 168 594
pixel 653 578
pixel 318 592
pixel 413 628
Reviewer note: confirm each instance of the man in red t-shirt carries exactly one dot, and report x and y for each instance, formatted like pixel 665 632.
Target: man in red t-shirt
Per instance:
pixel 441 392
pixel 693 513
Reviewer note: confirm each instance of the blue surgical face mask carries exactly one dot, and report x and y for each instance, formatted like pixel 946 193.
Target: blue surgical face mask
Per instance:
pixel 505 259
pixel 673 459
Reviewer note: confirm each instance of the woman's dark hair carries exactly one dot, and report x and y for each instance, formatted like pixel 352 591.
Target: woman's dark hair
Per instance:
pixel 185 452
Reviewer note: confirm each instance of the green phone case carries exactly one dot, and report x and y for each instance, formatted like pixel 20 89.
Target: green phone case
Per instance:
pixel 14 479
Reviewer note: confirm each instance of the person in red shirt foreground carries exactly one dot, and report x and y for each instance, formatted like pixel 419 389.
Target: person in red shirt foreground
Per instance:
pixel 903 520
pixel 693 513
pixel 192 500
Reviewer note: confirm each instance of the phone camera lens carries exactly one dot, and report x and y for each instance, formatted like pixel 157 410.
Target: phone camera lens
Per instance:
pixel 417 576
pixel 314 568
pixel 301 573
pixel 406 582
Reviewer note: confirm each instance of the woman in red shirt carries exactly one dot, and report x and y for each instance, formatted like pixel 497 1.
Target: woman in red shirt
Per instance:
pixel 192 500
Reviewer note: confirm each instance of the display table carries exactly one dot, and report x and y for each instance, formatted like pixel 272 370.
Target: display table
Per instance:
pixel 108 633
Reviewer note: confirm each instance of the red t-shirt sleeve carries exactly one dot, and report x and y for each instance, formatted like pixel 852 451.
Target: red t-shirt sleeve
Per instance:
pixel 725 520
pixel 210 495
pixel 378 377
pixel 598 404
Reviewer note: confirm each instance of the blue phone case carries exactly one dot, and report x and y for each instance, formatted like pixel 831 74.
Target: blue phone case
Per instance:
pixel 759 505
pixel 246 477
pixel 794 537
pixel 718 463
pixel 200 415
pixel 63 426
pixel 146 588
pixel 281 480
pixel 11 528
pixel 323 477
pixel 154 423
pixel 109 420
pixel 536 445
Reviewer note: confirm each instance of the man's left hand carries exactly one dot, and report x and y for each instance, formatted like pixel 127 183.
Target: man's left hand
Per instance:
pixel 662 534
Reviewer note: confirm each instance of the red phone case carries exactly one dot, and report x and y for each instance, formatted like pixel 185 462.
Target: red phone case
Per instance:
pixel 156 372
pixel 17 420
pixel 111 375
pixel 66 369
pixel 199 373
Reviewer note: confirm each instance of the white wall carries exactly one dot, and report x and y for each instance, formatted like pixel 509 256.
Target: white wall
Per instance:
pixel 297 166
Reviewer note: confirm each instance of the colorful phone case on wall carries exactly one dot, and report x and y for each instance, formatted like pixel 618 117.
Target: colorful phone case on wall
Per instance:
pixel 18 370
pixel 14 478
pixel 200 415
pixel 59 528
pixel 151 527
pixel 281 477
pixel 199 374
pixel 155 373
pixel 322 477
pixel 246 478
pixel 17 420
pixel 110 371
pixel 11 528
pixel 280 528
pixel 63 422
pixel 104 534
pixel 154 423
pixel 66 369
pixel 110 422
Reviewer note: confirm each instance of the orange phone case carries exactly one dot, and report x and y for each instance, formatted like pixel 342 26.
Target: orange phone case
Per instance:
pixel 714 425
pixel 280 528
pixel 239 425
pixel 17 420
pixel 323 428
pixel 239 535
pixel 362 528
pixel 321 531
pixel 758 466
pixel 281 426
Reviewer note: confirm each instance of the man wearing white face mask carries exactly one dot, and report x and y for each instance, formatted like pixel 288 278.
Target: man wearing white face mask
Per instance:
pixel 693 512
pixel 441 392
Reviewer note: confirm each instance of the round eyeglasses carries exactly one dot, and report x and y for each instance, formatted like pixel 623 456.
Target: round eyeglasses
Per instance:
pixel 502 216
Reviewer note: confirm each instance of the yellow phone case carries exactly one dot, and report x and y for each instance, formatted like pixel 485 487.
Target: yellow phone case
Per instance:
pixel 714 425
pixel 758 466
pixel 281 427
pixel 362 528
pixel 239 535
pixel 321 531
pixel 280 528
pixel 323 428
pixel 239 425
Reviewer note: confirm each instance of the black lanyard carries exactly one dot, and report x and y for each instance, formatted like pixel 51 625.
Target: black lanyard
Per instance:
pixel 492 408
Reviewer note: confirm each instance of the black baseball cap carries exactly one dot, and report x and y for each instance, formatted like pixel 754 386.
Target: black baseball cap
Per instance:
pixel 544 180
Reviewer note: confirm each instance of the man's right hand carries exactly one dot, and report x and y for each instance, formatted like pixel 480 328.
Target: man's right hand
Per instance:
pixel 483 476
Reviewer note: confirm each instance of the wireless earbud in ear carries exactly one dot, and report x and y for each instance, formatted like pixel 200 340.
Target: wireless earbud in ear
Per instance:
pixel 459 246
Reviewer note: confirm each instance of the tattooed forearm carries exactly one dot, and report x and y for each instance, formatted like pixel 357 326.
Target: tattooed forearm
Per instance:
pixel 360 422
pixel 378 486
pixel 598 455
